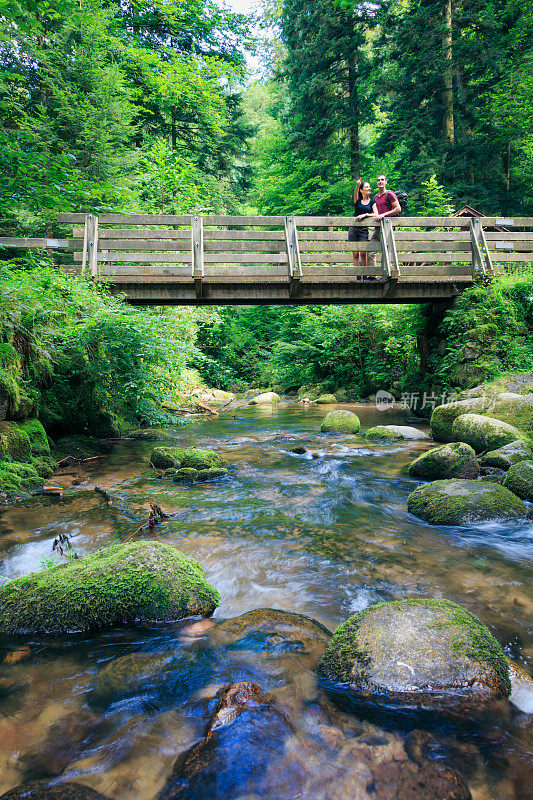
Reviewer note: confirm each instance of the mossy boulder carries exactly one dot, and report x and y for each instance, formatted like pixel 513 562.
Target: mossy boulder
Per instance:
pixel 340 421
pixel 443 417
pixel 18 479
pixel 211 474
pixel 483 433
pixel 326 399
pixel 460 502
pixel 514 409
pixel 34 430
pixel 116 585
pixel 14 442
pixel 395 432
pixel 417 653
pixel 192 457
pixel 504 457
pixel 519 480
pixel 185 475
pixel 454 460
pixel 265 399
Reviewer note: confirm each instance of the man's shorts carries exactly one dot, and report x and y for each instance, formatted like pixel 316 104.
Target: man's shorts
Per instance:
pixel 356 234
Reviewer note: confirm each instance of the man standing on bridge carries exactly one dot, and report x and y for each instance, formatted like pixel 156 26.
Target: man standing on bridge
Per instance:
pixel 388 205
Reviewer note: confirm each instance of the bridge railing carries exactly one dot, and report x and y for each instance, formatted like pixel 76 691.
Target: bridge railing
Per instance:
pixel 200 250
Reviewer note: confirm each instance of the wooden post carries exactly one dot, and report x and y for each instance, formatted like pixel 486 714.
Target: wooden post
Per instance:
pixel 485 253
pixel 197 241
pixel 84 254
pixel 92 244
pixel 385 257
pixel 481 260
pixel 293 255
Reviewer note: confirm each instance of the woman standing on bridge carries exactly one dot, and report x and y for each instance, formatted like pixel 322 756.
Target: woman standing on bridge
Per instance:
pixel 364 208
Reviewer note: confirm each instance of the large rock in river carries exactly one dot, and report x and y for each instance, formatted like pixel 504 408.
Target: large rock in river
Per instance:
pixel 265 399
pixel 116 585
pixel 340 421
pixel 483 433
pixel 417 653
pixel 504 457
pixel 186 458
pixel 519 480
pixel 392 432
pixel 460 502
pixel 514 409
pixel 454 460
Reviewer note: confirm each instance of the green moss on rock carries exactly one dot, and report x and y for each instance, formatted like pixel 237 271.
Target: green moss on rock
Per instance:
pixel 519 480
pixel 340 421
pixel 326 399
pixel 211 474
pixel 380 432
pixel 17 478
pixel 484 433
pixel 192 457
pixel 34 430
pixel 514 409
pixel 420 652
pixel 185 475
pixel 504 457
pixel 14 442
pixel 454 460
pixel 116 585
pixel 460 502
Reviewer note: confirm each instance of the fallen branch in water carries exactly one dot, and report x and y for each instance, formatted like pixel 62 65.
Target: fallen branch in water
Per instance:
pixel 155 517
pixel 207 408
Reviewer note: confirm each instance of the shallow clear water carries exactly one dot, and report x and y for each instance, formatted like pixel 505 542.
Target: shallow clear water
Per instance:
pixel 323 537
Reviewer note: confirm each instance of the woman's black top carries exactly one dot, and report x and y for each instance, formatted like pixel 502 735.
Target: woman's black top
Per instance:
pixel 363 208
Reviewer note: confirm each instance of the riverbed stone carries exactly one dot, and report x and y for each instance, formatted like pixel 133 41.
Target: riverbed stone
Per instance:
pixel 184 475
pixel 504 457
pixel 443 417
pixel 280 631
pixel 326 399
pixel 417 653
pixel 483 433
pixel 211 474
pixel 40 791
pixel 340 421
pixel 116 585
pixel 267 398
pixel 519 480
pixel 514 409
pixel 453 460
pixel 191 457
pixel 395 432
pixel 460 502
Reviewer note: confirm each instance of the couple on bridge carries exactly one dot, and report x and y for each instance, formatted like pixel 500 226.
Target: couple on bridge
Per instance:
pixel 384 204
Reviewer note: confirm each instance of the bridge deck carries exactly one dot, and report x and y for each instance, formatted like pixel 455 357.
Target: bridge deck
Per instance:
pixel 215 259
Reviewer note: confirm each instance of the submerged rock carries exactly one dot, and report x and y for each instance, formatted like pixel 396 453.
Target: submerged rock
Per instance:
pixel 454 460
pixel 211 474
pixel 271 629
pixel 401 432
pixel 190 457
pixel 40 791
pixel 340 421
pixel 267 398
pixel 116 585
pixel 504 457
pixel 484 433
pixel 519 480
pixel 417 653
pixel 459 502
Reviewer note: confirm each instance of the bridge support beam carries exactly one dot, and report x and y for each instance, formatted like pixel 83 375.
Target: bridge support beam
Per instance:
pixel 197 260
pixel 293 255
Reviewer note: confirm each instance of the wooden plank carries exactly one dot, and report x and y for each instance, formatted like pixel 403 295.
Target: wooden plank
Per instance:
pixel 37 243
pixel 244 247
pixel 236 272
pixel 222 219
pixel 245 258
pixel 517 246
pixel 138 233
pixel 450 222
pixel 130 219
pixel 243 235
pixel 145 258
pixel 442 258
pixel 110 245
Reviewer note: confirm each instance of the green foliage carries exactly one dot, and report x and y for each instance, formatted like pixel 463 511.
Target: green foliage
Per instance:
pixel 101 355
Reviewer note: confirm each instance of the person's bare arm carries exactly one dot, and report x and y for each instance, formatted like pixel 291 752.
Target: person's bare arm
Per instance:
pixel 356 191
pixel 396 208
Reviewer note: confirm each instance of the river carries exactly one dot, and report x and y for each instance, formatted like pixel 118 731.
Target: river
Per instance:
pixel 324 537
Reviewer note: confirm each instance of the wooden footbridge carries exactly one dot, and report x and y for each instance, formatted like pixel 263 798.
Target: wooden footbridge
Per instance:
pixel 214 259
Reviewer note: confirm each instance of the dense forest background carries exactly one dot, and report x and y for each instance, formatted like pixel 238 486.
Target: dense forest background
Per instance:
pixel 150 105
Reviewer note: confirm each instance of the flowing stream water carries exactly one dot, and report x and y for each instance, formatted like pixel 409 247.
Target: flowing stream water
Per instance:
pixel 324 537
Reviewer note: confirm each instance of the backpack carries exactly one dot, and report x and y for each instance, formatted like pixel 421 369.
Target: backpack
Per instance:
pixel 402 199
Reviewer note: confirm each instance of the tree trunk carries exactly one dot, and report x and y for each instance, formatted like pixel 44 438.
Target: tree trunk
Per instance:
pixel 353 100
pixel 173 130
pixel 507 166
pixel 447 94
